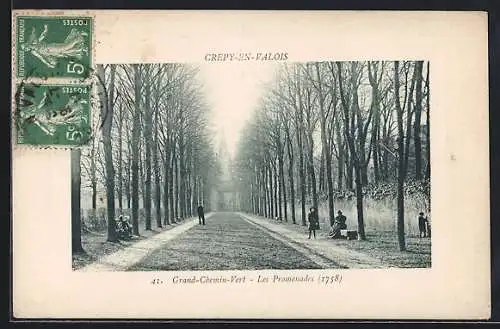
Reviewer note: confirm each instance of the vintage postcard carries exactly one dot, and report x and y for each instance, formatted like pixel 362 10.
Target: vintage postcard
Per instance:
pixel 288 165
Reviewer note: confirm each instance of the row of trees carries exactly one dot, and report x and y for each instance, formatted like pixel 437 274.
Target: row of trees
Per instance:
pixel 151 144
pixel 335 129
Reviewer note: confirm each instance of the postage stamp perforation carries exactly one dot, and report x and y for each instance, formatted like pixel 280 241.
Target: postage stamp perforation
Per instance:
pixel 76 43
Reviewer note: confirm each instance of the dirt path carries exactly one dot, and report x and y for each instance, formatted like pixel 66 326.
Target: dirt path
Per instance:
pixel 232 241
pixel 344 257
pixel 128 256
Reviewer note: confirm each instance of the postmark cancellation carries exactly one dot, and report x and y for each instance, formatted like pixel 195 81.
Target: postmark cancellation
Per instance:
pixel 50 114
pixel 53 59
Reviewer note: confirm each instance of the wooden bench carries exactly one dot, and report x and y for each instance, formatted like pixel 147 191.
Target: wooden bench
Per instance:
pixel 349 234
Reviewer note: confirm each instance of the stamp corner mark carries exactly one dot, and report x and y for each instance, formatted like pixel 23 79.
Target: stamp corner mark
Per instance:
pixel 54 46
pixel 50 115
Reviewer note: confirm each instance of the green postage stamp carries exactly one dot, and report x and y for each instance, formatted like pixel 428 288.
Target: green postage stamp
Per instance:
pixel 50 114
pixel 53 46
pixel 52 59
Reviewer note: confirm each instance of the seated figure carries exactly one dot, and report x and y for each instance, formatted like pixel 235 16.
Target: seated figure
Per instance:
pixel 123 228
pixel 338 225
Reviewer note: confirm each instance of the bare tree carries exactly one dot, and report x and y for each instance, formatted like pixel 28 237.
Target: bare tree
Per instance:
pixel 135 147
pixel 148 139
pixel 401 174
pixel 416 125
pixel 325 135
pixel 354 153
pixel 107 103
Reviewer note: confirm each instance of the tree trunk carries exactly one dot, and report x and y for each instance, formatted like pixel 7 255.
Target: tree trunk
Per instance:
pixel 182 178
pixel 76 215
pixel 171 185
pixel 308 178
pixel 148 137
pixel 326 148
pixel 277 196
pixel 252 199
pixel 290 174
pixel 156 171
pixel 177 194
pixel 310 167
pixel 189 191
pixel 418 114
pixel 94 196
pixel 195 195
pixel 166 189
pixel 401 178
pixel 135 150
pixel 128 187
pixel 341 158
pixel 385 158
pixel 376 151
pixel 128 191
pixel 268 181
pixel 107 117
pixel 120 159
pixel 329 181
pixel 282 183
pixel 142 176
pixel 263 196
pixel 350 168
pixel 353 154
pixel 299 126
pixel 256 190
pixel 259 188
pixel 375 108
pixel 360 154
pixel 409 117
pixel 322 178
pixel 93 175
pixel 256 209
pixel 428 128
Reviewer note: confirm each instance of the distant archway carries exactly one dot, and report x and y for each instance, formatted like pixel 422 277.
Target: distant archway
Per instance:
pixel 227 197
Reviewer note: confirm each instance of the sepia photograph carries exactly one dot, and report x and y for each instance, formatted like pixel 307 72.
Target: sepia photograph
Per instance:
pixel 252 166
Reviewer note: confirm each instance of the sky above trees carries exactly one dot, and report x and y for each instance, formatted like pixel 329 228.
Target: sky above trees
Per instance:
pixel 233 91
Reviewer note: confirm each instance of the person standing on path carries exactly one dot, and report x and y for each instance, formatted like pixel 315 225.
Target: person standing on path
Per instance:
pixel 313 222
pixel 422 225
pixel 201 215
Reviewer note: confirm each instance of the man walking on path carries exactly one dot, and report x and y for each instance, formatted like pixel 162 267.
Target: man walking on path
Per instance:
pixel 201 215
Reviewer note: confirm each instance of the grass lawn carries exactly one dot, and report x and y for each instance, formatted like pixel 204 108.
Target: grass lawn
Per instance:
pixel 378 244
pixel 384 245
pixel 96 245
